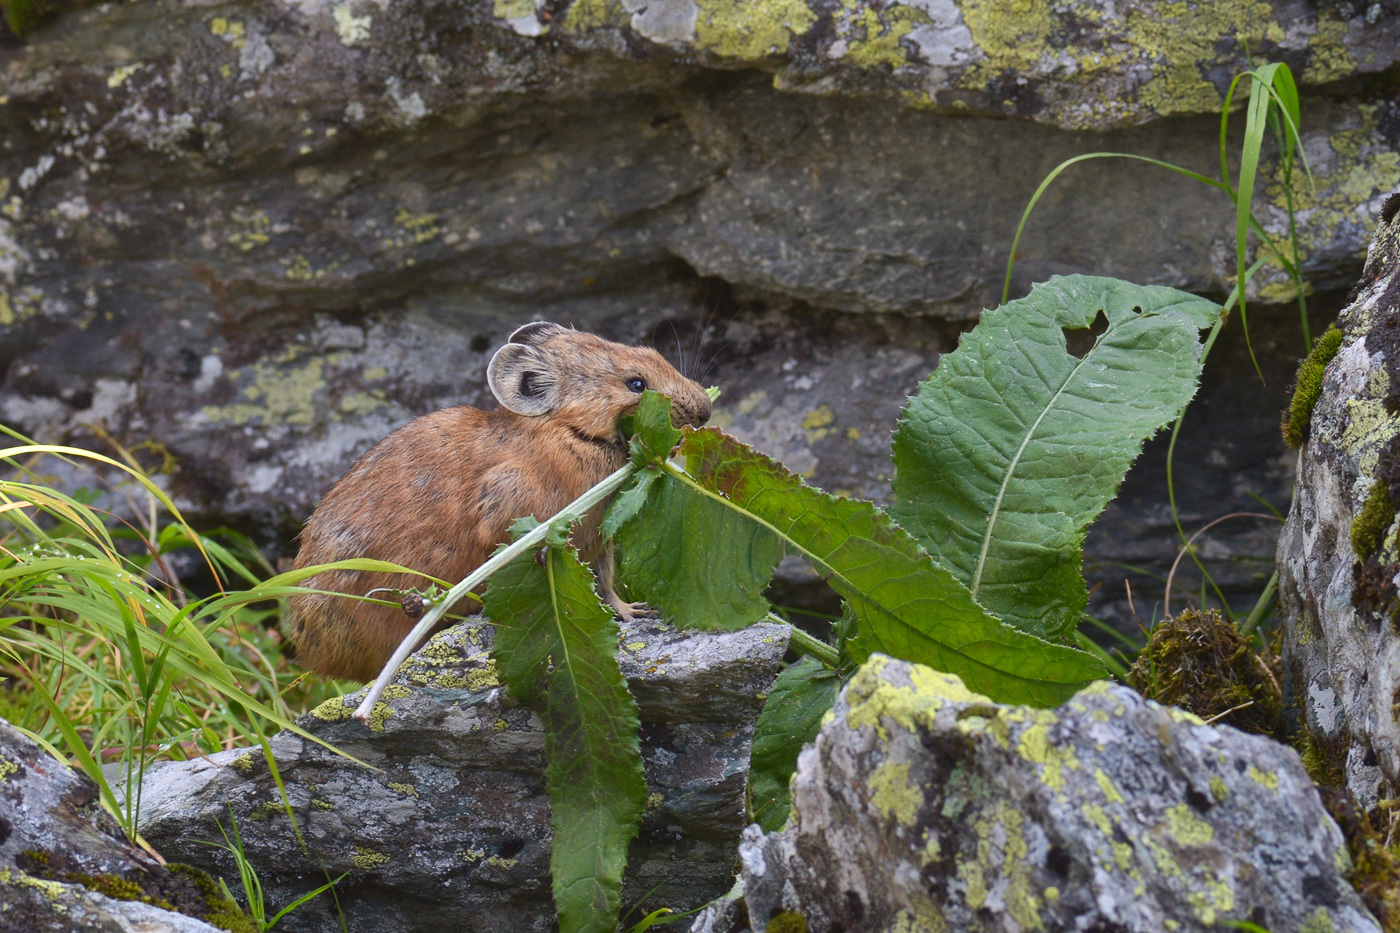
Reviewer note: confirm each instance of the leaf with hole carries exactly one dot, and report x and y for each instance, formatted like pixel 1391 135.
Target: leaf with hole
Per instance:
pixel 1013 445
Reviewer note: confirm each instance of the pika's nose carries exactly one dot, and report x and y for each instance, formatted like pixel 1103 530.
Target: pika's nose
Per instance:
pixel 700 410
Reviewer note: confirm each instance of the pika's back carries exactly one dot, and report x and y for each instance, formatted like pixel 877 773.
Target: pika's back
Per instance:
pixel 441 492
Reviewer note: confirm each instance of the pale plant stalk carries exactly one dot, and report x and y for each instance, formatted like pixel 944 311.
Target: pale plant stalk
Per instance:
pixel 533 538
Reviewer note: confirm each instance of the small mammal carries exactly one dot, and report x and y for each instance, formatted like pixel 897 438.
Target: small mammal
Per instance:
pixel 440 493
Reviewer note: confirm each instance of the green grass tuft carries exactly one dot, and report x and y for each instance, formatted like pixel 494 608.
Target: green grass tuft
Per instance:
pixel 1298 419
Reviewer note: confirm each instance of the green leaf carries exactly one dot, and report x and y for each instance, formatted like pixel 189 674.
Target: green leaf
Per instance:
pixel 1013 445
pixel 1286 92
pixel 702 564
pixel 653 435
pixel 905 605
pixel 627 503
pixel 556 647
pixel 791 718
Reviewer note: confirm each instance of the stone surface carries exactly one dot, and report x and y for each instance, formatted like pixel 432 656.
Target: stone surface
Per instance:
pixel 452 831
pixel 1341 645
pixel 922 806
pixel 52 827
pixel 261 235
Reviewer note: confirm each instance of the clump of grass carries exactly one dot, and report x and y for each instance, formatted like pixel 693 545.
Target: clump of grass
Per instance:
pixel 106 658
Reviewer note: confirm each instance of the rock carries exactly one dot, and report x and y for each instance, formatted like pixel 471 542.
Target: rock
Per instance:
pixel 452 831
pixel 923 806
pixel 261 235
pixel 1338 558
pixel 62 855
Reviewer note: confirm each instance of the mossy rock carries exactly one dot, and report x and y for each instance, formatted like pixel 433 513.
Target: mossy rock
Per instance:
pixel 182 888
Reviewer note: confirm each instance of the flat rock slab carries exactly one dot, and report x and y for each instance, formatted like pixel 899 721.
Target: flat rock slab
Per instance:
pixel 452 832
pixel 57 843
pixel 923 806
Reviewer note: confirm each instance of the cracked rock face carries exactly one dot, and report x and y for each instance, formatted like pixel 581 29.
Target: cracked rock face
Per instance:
pixel 1341 643
pixel 52 827
pixel 453 831
pixel 260 235
pixel 263 234
pixel 923 806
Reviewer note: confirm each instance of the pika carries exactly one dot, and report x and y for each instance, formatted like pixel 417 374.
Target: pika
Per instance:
pixel 440 493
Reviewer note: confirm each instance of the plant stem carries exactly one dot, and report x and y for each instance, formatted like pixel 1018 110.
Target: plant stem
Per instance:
pixel 803 643
pixel 525 542
pixel 1262 606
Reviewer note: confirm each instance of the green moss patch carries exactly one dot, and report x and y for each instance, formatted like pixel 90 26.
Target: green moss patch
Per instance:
pixel 1368 528
pixel 1200 662
pixel 1373 573
pixel 1308 386
pixel 182 888
pixel 789 921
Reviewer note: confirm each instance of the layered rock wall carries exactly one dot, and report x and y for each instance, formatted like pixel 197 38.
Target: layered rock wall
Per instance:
pixel 262 233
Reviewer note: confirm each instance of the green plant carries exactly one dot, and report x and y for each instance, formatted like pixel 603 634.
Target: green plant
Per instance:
pixel 1273 109
pixel 700 543
pixel 106 657
pixel 252 886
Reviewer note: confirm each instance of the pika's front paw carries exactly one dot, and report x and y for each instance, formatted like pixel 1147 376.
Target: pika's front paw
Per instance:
pixel 635 612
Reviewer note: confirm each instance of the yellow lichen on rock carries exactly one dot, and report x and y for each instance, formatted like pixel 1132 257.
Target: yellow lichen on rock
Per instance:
pixel 584 15
pixel 1011 34
pixel 1187 828
pixel 282 390
pixel 870 698
pixel 750 31
pixel 1182 39
pixel 875 35
pixel 1035 746
pixel 892 794
pixel 1266 779
pixel 1000 863
pixel 366 858
pixel 1110 792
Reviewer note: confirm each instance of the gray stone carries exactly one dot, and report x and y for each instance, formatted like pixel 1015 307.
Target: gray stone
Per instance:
pixel 923 806
pixel 54 835
pixel 452 831
pixel 262 234
pixel 1341 647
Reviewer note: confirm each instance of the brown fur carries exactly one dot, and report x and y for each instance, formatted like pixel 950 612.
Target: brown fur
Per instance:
pixel 440 493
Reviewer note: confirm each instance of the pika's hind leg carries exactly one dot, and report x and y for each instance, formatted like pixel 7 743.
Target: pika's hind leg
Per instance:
pixel 604 568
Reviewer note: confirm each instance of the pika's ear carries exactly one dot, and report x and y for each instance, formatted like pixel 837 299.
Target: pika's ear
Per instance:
pixel 523 380
pixel 532 335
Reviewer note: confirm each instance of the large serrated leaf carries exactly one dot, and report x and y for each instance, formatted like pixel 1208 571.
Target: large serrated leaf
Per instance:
pixel 1014 445
pixel 791 718
pixel 703 565
pixel 556 649
pixel 905 605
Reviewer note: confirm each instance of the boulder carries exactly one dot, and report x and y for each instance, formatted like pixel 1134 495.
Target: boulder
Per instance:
pixel 66 866
pixel 449 826
pixel 923 806
pixel 1338 557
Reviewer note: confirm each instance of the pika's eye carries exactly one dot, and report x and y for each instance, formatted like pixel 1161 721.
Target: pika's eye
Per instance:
pixel 636 384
